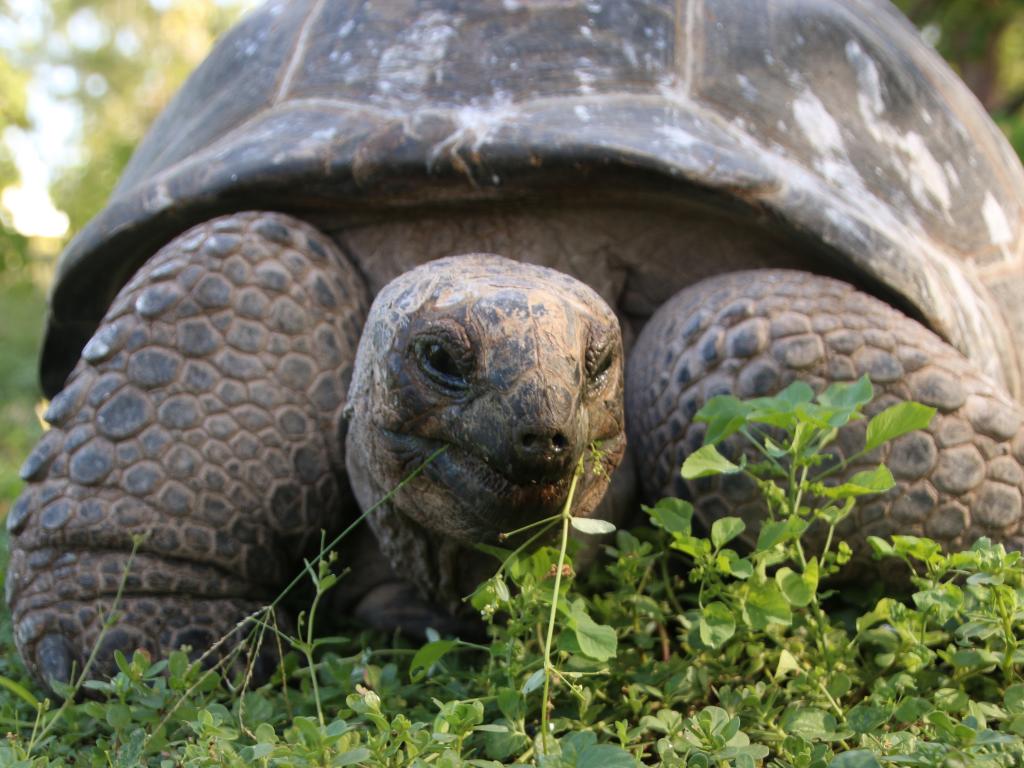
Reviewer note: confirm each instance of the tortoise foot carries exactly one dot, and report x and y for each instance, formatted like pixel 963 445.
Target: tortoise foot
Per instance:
pixel 202 427
pixel 753 333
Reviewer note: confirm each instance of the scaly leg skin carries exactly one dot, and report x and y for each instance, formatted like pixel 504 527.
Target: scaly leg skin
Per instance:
pixel 752 333
pixel 205 415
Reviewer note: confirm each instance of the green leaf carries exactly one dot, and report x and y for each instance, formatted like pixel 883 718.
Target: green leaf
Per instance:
pixel 691 545
pixel 796 393
pixel 877 480
pixel 724 415
pixel 849 395
pixel 598 641
pixel 501 589
pixel 510 702
pixel 809 722
pixel 895 421
pixel 787 663
pixel 725 529
pixel 259 752
pixel 592 525
pixel 944 600
pixel 777 531
pixel 499 745
pixel 780 410
pixel 865 718
pixel 707 461
pixel 426 657
pixel 919 547
pixel 839 685
pixel 765 605
pixel 717 625
pixel 19 690
pixel 737 566
pixel 533 682
pixel 672 515
pixel 1014 699
pixel 880 547
pixel 857 758
pixel 798 589
pixel 604 756
pixel 119 716
pixel 352 757
pixel 912 709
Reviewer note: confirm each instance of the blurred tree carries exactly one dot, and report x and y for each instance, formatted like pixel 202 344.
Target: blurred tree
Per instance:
pixel 129 58
pixel 106 68
pixel 13 112
pixel 984 42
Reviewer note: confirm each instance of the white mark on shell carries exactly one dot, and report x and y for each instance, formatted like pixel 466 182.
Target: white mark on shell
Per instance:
pixel 159 200
pixel 407 65
pixel 951 174
pixel 582 113
pixel 473 126
pixel 995 218
pixel 586 79
pixel 747 88
pixel 630 53
pixel 919 169
pixel 820 128
pixel 680 138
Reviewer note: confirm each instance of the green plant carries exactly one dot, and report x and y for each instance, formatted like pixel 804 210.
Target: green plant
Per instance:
pixel 679 649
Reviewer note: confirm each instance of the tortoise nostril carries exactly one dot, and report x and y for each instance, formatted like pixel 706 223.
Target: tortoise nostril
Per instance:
pixel 541 443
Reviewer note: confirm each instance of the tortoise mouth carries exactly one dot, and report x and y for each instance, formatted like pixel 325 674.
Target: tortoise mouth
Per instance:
pixel 522 494
pixel 488 499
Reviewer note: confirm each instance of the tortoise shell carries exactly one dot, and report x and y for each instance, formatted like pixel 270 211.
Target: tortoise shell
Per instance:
pixel 827 119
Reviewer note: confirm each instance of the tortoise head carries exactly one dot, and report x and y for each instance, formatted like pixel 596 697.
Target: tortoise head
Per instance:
pixel 515 370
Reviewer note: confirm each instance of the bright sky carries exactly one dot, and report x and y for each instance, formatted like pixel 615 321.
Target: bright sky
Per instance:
pixel 51 142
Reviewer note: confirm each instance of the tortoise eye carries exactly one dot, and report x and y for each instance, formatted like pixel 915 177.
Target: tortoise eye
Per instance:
pixel 442 364
pixel 599 362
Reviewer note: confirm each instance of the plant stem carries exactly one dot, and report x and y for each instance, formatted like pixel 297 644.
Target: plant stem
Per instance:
pixel 666 579
pixel 509 534
pixel 566 517
pixel 333 542
pixel 551 522
pixel 307 650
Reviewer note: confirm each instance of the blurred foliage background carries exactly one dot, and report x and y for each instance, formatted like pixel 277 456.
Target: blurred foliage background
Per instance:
pixel 81 81
pixel 79 84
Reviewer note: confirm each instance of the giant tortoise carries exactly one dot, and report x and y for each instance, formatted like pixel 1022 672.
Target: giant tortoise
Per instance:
pixel 727 194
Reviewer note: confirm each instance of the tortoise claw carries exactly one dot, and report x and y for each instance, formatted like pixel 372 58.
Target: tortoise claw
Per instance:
pixel 53 659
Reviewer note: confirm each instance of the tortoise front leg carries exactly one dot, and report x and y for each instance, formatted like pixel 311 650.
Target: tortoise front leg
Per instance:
pixel 752 333
pixel 206 416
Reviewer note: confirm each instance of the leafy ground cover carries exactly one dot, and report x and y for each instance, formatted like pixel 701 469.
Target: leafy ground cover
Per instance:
pixel 677 649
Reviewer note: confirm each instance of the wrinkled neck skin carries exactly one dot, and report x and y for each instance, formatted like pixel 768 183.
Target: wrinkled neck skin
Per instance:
pixel 516 372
